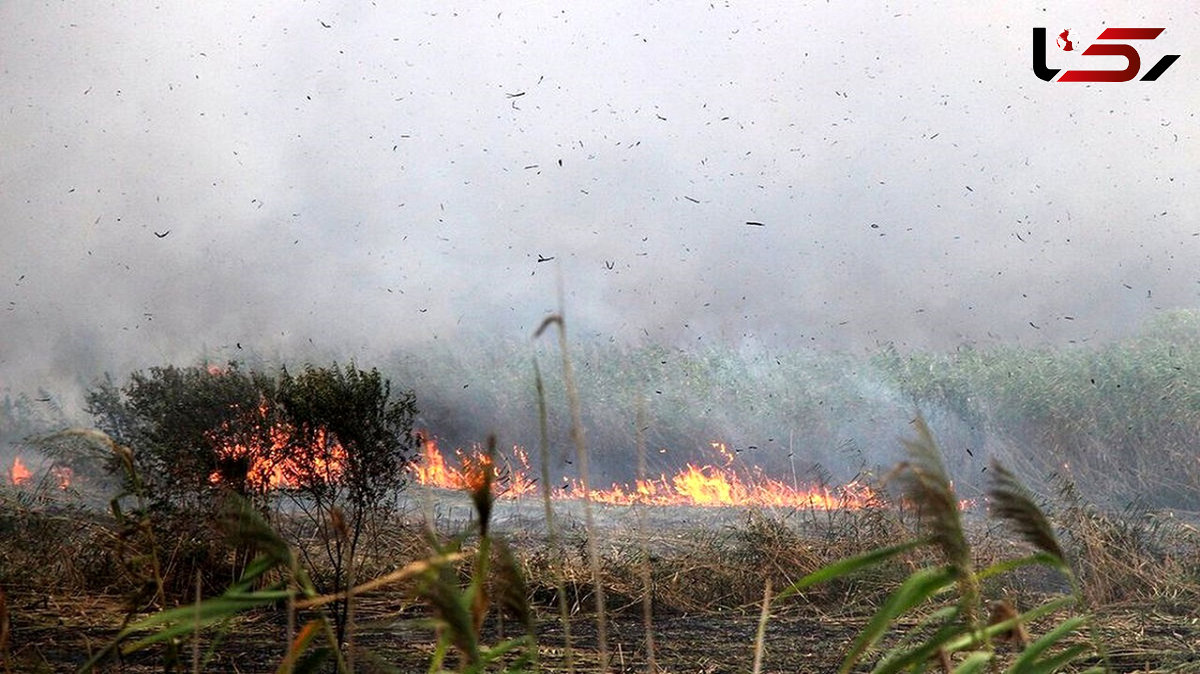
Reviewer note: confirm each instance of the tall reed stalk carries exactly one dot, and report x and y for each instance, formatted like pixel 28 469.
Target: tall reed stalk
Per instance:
pixel 644 566
pixel 581 456
pixel 552 540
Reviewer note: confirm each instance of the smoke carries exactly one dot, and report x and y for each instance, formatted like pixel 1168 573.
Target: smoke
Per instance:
pixel 201 181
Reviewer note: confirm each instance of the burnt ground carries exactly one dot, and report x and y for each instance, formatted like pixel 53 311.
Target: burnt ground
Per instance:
pixel 56 634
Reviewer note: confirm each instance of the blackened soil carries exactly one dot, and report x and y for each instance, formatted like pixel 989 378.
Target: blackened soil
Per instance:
pixel 58 634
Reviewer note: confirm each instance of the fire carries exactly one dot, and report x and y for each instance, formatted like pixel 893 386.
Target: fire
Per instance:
pixel 512 475
pixel 20 474
pixel 62 475
pixel 693 485
pixel 278 463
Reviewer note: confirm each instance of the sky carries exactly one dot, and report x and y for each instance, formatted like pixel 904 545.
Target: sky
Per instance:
pixel 356 178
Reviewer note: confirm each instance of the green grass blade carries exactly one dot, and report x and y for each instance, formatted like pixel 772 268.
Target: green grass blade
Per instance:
pixel 1057 662
pixel 1025 660
pixel 898 661
pixel 906 644
pixel 1042 558
pixel 254 570
pixel 846 566
pixel 498 651
pixel 439 652
pixel 916 589
pixel 975 662
pixel 969 640
pixel 182 620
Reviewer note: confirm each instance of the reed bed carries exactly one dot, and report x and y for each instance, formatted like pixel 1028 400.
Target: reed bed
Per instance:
pixel 1037 575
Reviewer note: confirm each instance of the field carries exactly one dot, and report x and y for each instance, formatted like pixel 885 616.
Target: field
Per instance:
pixel 1040 513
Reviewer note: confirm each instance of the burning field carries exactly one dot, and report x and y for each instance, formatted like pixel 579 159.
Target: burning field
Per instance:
pixel 693 485
pixel 340 519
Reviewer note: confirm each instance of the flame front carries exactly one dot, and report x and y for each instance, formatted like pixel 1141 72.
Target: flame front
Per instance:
pixel 693 485
pixel 512 476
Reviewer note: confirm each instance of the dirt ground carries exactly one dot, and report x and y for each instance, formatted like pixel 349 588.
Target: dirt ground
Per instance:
pixel 56 634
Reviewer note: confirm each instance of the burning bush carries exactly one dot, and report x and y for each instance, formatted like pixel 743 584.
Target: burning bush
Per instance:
pixel 334 439
pixel 179 421
pixel 198 430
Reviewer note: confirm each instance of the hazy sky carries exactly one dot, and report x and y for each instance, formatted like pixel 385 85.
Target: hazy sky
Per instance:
pixel 368 175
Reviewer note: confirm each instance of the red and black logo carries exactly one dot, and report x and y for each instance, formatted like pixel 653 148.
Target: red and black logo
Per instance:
pixel 1133 60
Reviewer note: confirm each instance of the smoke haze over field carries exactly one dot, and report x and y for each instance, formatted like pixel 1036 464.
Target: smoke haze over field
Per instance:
pixel 343 178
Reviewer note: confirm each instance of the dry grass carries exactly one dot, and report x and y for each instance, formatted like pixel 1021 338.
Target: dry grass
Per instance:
pixel 473 578
pixel 721 573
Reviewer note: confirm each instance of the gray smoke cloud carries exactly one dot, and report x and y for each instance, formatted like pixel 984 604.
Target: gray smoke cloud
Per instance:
pixel 345 178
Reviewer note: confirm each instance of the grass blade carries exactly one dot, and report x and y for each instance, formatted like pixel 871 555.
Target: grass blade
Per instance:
pixel 762 627
pixel 975 662
pixel 185 619
pixel 897 661
pixel 1057 662
pixel 552 541
pixel 581 458
pixel 1011 502
pixel 970 640
pixel 298 646
pixel 1025 661
pixel 1030 560
pixel 847 566
pixel 916 589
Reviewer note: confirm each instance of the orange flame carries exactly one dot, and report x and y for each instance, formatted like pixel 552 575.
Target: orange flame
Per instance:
pixel 62 475
pixel 277 465
pixel 694 485
pixel 512 480
pixel 20 474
